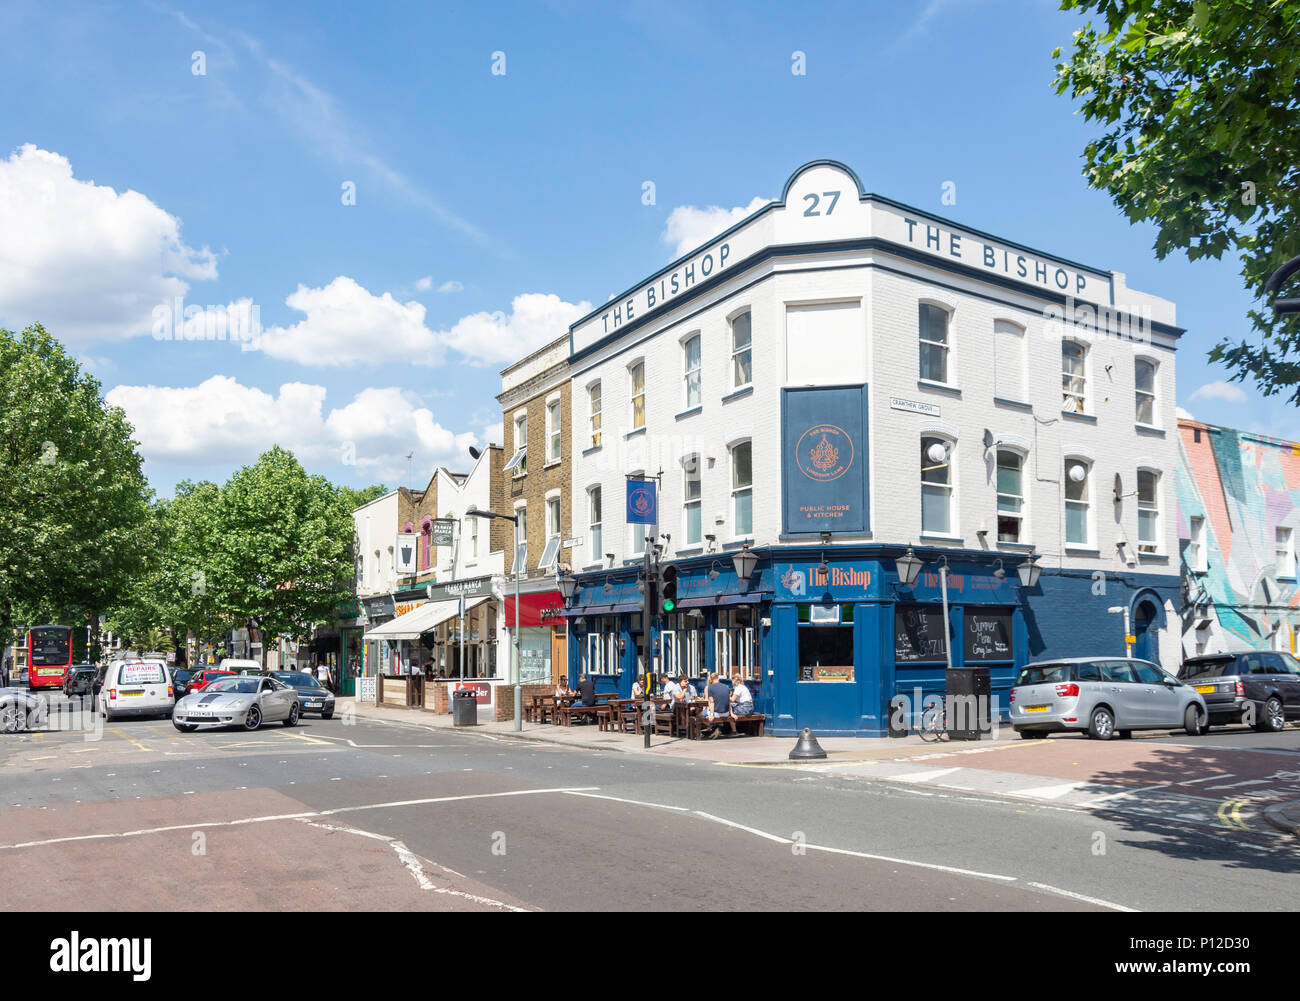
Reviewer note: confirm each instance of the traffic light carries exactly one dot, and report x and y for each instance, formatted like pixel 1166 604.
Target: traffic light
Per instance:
pixel 668 588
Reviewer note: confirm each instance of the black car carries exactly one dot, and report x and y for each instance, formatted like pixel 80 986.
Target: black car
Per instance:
pixel 80 680
pixel 181 683
pixel 1259 687
pixel 313 697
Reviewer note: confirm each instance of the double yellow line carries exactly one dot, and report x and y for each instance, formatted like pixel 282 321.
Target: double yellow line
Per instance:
pixel 1229 814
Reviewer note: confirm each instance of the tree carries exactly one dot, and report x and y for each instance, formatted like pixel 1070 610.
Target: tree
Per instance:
pixel 73 496
pixel 354 498
pixel 1200 107
pixel 285 544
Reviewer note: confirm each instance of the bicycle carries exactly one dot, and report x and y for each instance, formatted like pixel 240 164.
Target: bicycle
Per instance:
pixel 933 725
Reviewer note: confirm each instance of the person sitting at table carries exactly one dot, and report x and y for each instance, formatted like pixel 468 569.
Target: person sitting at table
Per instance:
pixel 742 701
pixel 719 708
pixel 671 691
pixel 688 690
pixel 562 690
pixel 586 692
pixel 638 687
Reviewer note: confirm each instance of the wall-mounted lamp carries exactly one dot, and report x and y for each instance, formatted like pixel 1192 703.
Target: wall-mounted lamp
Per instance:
pixel 1029 571
pixel 746 562
pixel 908 567
pixel 1000 573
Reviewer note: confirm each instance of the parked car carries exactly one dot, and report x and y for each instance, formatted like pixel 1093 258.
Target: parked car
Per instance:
pixel 1260 687
pixel 238 701
pixel 201 679
pixel 181 681
pixel 1103 696
pixel 80 680
pixel 136 688
pixel 21 709
pixel 313 697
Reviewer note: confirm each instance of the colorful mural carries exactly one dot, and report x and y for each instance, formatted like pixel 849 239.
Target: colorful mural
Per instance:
pixel 1239 571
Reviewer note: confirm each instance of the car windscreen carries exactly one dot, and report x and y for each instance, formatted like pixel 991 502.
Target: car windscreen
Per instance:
pixel 298 680
pixel 1206 667
pixel 1044 674
pixel 142 674
pixel 243 686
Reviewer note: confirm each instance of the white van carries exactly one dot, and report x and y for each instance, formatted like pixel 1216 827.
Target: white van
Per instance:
pixel 136 688
pixel 236 665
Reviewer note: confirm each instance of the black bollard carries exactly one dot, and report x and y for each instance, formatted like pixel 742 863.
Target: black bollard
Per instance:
pixel 807 749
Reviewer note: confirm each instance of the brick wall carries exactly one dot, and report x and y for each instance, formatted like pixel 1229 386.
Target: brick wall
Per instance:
pixel 543 476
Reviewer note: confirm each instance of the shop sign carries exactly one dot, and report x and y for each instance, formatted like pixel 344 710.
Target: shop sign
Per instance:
pixel 401 608
pixel 378 606
pixel 470 588
pixel 914 406
pixel 443 531
pixel 407 547
pixel 844 581
pixel 482 692
pixel 824 460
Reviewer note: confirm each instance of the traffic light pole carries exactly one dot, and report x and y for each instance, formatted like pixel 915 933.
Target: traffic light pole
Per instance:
pixel 647 617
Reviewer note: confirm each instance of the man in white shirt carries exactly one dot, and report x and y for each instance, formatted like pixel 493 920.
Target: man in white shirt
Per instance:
pixel 672 691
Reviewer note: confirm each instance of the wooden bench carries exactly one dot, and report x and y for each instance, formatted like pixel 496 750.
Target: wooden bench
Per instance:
pixel 755 723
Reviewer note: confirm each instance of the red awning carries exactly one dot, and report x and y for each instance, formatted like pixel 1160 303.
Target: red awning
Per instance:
pixel 530 608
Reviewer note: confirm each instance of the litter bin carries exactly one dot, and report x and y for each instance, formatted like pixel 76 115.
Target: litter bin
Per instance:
pixel 464 708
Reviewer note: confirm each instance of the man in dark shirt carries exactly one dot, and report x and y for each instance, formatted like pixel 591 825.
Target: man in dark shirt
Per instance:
pixel 719 708
pixel 586 691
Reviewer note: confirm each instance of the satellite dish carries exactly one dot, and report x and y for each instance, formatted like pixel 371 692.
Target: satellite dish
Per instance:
pixel 1078 472
pixel 474 453
pixel 938 452
pixel 1119 488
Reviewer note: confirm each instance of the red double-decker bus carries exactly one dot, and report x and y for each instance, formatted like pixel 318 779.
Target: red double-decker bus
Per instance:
pixel 49 656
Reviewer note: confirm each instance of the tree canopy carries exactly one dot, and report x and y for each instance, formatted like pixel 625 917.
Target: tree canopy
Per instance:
pixel 1200 108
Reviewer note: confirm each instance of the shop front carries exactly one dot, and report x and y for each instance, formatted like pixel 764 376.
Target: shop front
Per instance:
pixel 543 644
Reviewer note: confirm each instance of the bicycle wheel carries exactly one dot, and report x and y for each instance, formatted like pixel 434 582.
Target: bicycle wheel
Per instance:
pixel 931 727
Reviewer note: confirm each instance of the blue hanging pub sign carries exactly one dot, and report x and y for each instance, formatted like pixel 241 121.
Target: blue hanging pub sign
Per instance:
pixel 642 502
pixel 824 460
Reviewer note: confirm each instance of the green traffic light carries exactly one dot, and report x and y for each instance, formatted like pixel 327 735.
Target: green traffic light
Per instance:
pixel 669 604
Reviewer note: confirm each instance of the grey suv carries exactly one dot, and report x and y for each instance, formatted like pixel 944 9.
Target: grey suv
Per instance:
pixel 1259 687
pixel 1103 696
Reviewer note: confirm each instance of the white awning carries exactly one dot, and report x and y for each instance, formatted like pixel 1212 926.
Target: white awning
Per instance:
pixel 420 620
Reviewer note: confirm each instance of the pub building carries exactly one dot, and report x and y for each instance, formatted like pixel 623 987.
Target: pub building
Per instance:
pixel 880 447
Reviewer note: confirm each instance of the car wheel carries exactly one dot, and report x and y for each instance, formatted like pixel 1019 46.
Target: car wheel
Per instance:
pixel 1273 718
pixel 253 719
pixel 1102 724
pixel 185 727
pixel 1194 721
pixel 12 718
pixel 293 716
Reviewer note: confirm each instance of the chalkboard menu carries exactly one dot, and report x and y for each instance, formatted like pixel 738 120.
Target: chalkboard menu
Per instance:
pixel 919 633
pixel 988 635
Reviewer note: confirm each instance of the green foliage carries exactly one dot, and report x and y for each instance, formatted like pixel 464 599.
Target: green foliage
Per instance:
pixel 1199 105
pixel 73 497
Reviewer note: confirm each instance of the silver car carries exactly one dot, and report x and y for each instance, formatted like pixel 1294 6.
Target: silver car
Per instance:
pixel 1103 696
pixel 237 701
pixel 22 710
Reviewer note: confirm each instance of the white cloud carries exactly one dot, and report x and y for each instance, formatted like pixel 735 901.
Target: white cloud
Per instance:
pixel 1184 414
pixel 535 319
pixel 425 283
pixel 88 262
pixel 221 422
pixel 495 433
pixel 345 324
pixel 452 286
pixel 688 227
pixel 1226 391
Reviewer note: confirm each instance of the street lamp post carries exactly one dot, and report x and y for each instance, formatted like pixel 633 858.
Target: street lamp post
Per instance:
pixel 514 665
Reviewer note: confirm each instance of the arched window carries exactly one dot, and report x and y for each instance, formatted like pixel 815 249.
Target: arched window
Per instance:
pixel 936 486
pixel 1011 496
pixel 691 371
pixel 1078 504
pixel 1144 380
pixel 933 333
pixel 742 489
pixel 1074 382
pixel 1148 497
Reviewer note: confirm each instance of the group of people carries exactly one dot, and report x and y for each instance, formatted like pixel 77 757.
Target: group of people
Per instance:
pixel 725 702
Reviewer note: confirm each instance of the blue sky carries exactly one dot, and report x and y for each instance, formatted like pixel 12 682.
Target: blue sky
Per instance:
pixel 491 208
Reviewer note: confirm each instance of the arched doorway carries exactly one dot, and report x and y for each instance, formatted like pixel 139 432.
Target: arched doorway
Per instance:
pixel 1143 617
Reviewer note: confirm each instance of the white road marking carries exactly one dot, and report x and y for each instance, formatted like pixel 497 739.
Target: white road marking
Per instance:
pixel 286 816
pixel 929 776
pixel 634 802
pixel 1087 900
pixel 413 865
pixel 1206 778
pixel 741 827
pixel 1123 792
pixel 1048 792
pixel 920 865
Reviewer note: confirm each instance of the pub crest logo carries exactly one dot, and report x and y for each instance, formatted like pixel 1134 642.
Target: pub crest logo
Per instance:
pixel 794 581
pixel 642 501
pixel 824 453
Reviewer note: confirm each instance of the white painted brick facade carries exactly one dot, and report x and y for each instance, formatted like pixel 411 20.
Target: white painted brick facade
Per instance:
pixel 889 284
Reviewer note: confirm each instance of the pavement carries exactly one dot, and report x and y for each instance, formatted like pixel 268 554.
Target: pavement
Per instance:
pixel 1251 788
